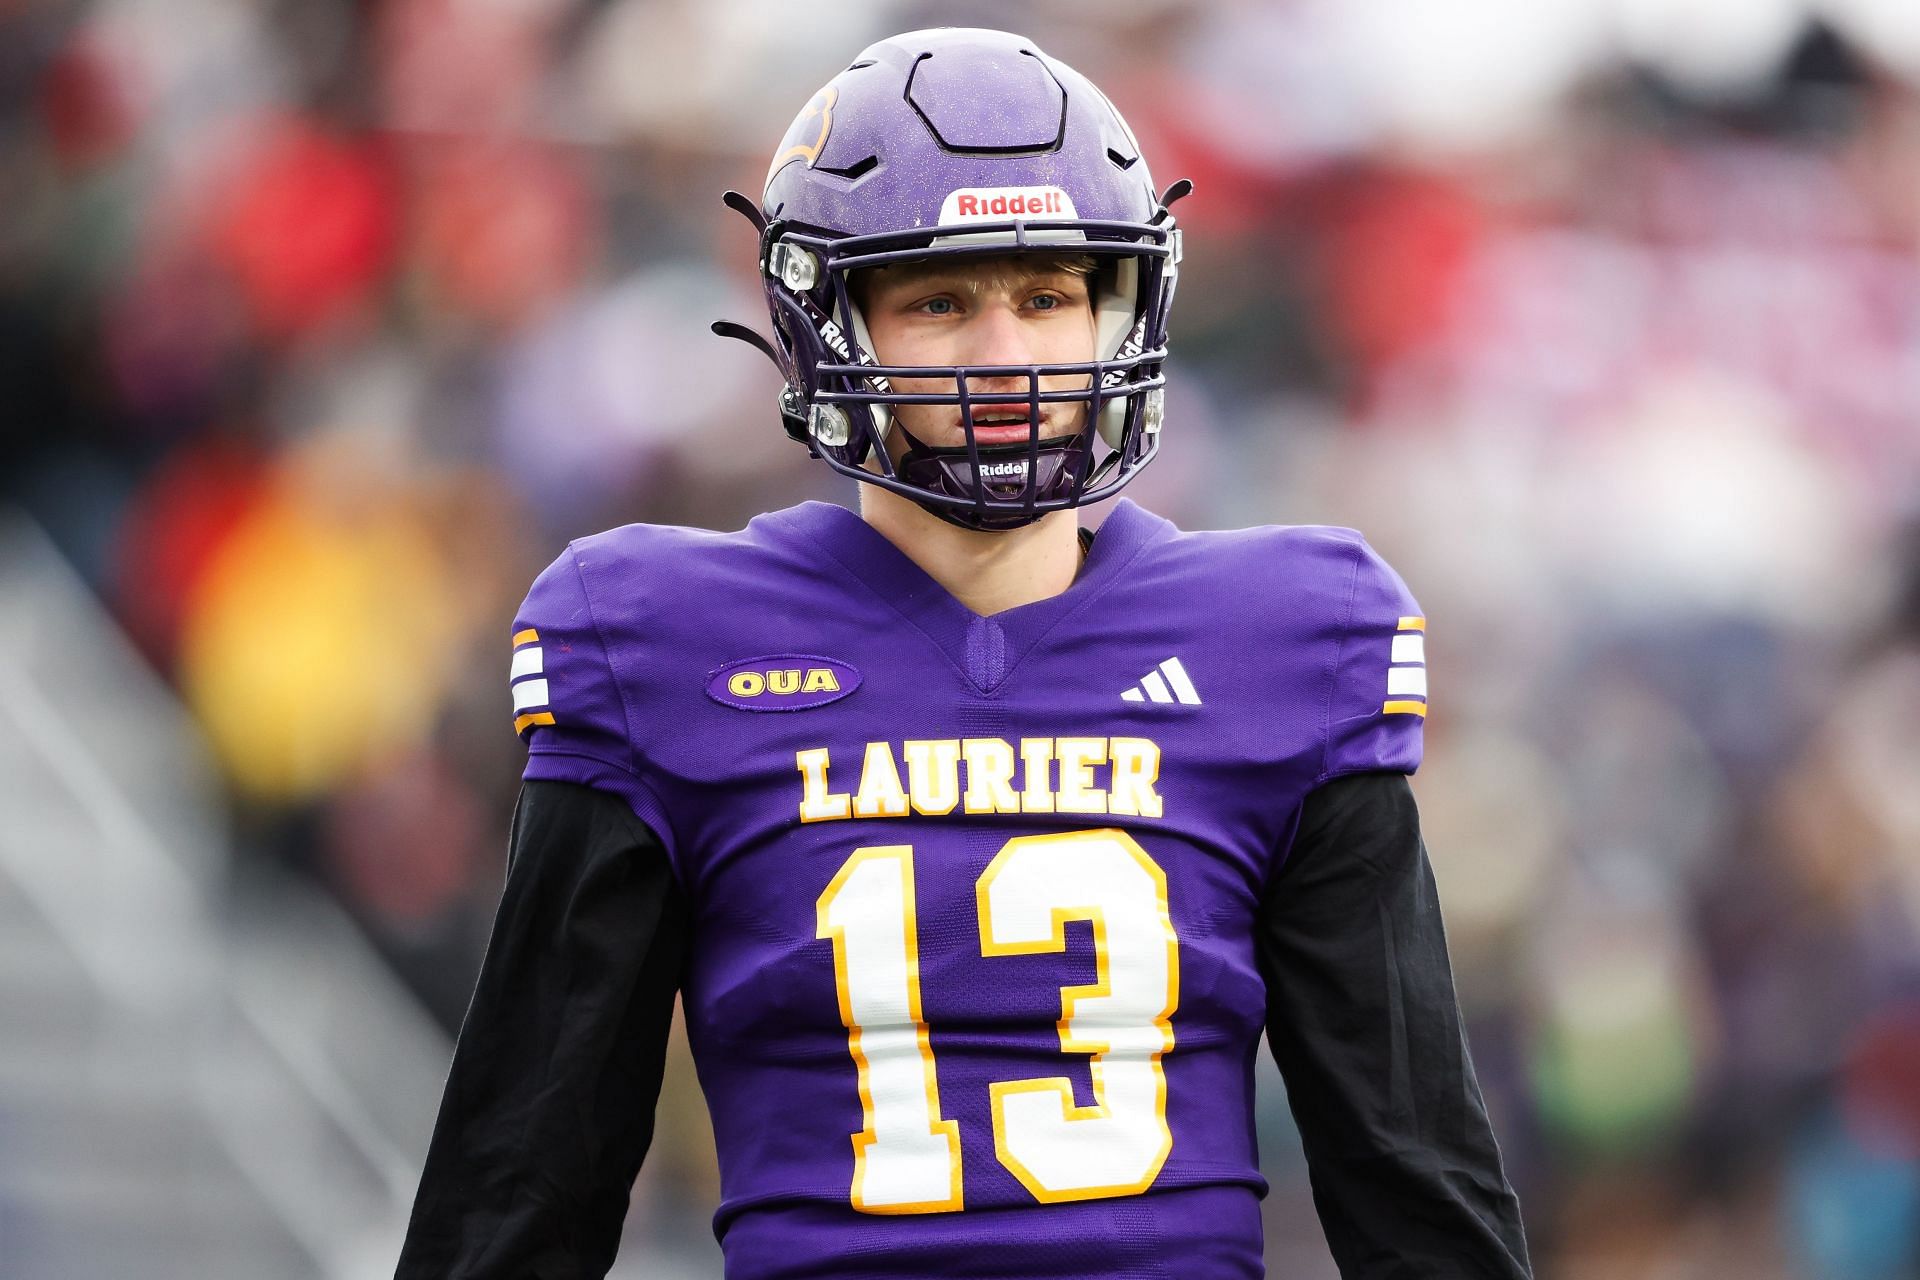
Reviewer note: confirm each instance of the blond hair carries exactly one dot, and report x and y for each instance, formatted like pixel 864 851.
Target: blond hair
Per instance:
pixel 1003 270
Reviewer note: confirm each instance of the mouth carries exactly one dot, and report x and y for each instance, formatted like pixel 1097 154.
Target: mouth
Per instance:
pixel 992 426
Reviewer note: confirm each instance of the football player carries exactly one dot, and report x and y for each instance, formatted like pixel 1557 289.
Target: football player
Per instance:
pixel 980 849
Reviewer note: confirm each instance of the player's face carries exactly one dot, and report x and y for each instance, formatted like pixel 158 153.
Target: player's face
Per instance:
pixel 996 311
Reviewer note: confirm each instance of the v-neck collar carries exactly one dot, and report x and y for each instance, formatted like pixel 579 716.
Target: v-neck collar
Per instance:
pixel 983 649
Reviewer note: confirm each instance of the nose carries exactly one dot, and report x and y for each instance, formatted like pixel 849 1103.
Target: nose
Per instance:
pixel 1001 338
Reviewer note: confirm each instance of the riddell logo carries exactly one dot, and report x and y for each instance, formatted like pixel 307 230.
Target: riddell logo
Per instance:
pixel 836 341
pixel 995 204
pixel 1003 470
pixel 1132 347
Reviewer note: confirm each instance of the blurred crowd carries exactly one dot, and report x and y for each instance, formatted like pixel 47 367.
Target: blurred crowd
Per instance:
pixel 324 325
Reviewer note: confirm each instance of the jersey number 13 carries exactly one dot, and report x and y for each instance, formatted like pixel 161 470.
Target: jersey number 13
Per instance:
pixel 906 1157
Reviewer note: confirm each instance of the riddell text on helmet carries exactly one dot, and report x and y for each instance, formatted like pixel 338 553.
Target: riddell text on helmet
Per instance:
pixel 981 203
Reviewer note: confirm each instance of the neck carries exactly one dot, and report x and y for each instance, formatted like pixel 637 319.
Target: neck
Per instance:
pixel 987 572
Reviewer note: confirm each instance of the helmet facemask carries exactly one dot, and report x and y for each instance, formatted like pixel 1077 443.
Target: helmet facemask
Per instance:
pixel 853 398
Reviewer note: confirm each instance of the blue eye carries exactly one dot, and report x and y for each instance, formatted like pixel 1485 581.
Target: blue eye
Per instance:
pixel 1045 301
pixel 939 306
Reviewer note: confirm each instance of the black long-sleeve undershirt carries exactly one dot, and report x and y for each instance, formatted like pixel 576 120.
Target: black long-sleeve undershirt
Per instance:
pixel 1363 1021
pixel 549 1105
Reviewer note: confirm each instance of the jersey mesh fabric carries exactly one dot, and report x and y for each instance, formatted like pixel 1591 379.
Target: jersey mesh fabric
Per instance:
pixel 588 739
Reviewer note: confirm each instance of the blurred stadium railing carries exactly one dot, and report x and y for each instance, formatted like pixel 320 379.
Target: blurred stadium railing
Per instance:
pixel 202 1074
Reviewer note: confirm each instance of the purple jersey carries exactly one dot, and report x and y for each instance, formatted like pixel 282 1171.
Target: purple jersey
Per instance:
pixel 973 986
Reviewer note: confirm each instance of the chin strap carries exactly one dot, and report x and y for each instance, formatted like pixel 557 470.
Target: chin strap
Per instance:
pixel 752 337
pixel 793 415
pixel 751 211
pixel 1184 187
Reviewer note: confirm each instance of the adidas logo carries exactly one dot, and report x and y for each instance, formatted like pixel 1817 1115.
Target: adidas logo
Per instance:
pixel 1166 683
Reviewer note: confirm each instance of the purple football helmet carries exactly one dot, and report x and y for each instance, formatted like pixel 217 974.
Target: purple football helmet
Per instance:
pixel 963 143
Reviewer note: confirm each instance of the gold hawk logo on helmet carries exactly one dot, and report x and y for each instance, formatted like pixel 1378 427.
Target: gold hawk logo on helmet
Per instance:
pixel 804 138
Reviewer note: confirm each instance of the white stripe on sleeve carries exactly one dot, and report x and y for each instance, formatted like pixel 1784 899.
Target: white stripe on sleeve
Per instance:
pixel 529 694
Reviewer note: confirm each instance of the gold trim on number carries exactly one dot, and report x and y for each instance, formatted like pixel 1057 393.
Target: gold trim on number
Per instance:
pixel 1101 986
pixel 868 1135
